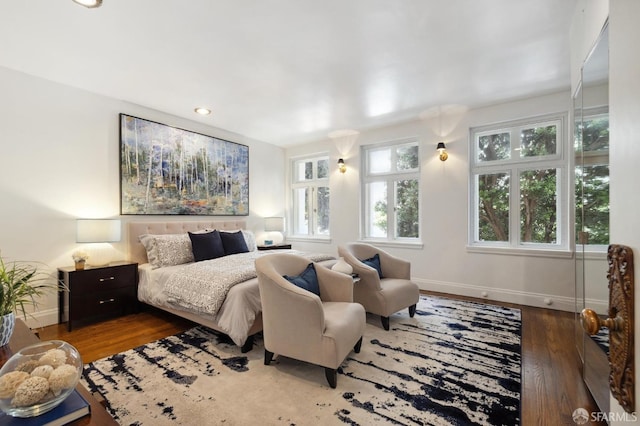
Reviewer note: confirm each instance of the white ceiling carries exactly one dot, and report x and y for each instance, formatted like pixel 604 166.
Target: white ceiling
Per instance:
pixel 292 71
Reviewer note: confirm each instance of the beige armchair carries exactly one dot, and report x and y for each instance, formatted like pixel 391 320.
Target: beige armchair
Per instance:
pixel 299 324
pixel 381 296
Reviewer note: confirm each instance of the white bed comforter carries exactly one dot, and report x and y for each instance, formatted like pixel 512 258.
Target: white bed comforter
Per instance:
pixel 224 290
pixel 203 286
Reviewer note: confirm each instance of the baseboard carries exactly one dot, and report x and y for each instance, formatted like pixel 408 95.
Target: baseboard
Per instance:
pixel 50 316
pixel 540 300
pixel 41 318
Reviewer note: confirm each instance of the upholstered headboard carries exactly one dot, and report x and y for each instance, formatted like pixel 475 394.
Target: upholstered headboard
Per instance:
pixel 137 252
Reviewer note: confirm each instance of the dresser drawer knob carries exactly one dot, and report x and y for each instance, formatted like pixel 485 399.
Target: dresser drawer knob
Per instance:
pixel 107 301
pixel 107 279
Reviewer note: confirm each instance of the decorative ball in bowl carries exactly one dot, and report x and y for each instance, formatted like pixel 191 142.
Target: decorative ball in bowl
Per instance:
pixel 38 378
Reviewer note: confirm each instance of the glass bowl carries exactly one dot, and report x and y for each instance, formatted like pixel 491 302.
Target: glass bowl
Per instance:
pixel 38 378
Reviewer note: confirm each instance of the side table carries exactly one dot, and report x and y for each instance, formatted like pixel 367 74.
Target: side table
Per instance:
pixel 22 336
pixel 275 247
pixel 97 292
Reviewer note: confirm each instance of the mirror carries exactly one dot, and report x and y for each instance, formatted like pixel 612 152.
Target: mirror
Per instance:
pixel 591 147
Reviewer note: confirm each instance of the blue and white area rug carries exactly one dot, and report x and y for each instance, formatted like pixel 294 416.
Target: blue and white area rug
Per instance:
pixel 602 339
pixel 454 363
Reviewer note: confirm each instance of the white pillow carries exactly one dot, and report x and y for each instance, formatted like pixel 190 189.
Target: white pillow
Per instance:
pixel 167 249
pixel 250 239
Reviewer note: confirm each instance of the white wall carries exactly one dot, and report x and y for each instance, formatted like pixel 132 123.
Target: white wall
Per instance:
pixel 624 98
pixel 60 161
pixel 444 263
pixel 586 25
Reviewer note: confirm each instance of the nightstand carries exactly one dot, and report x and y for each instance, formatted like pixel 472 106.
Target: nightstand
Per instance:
pixel 97 292
pixel 275 247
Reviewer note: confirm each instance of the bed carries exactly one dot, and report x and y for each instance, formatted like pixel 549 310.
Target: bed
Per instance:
pixel 239 312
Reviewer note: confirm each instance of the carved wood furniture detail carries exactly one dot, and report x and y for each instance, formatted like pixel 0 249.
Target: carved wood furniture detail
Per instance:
pixel 620 324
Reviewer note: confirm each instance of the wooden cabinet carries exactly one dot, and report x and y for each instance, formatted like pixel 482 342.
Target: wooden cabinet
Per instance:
pixel 97 293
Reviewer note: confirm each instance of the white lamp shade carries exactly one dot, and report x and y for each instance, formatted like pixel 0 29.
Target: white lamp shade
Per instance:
pixel 98 230
pixel 274 224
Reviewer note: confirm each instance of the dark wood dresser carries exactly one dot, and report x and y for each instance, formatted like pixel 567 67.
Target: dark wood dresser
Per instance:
pixel 97 293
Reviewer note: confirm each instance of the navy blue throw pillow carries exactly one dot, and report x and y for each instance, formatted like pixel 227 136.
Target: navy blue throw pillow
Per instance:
pixel 374 262
pixel 206 246
pixel 234 242
pixel 307 280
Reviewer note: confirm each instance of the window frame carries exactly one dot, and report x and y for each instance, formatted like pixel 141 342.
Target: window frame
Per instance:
pixel 390 178
pixel 594 158
pixel 514 166
pixel 313 185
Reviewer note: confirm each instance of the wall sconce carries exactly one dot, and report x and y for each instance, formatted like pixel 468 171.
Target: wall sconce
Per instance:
pixel 443 151
pixel 341 166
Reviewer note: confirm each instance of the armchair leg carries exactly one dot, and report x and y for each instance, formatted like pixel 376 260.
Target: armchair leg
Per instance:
pixel 268 356
pixel 358 345
pixel 385 323
pixel 332 377
pixel 412 310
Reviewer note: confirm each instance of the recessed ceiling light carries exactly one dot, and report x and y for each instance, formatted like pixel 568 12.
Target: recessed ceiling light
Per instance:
pixel 203 111
pixel 89 3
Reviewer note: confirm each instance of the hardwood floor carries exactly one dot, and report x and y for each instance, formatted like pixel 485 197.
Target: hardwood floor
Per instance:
pixel 552 387
pixel 110 337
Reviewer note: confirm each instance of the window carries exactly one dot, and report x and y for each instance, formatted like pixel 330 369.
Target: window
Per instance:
pixel 518 185
pixel 310 212
pixel 391 188
pixel 592 179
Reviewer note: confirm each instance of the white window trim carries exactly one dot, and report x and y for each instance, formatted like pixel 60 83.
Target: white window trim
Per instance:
pixel 418 245
pixel 514 167
pixel 313 183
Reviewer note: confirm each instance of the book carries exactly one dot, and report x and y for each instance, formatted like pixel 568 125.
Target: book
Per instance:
pixel 72 408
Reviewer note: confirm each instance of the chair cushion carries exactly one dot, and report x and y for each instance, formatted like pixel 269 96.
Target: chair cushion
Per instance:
pixel 374 262
pixel 206 245
pixel 398 294
pixel 307 280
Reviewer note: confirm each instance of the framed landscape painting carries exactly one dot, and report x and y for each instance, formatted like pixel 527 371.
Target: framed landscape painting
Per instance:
pixel 165 170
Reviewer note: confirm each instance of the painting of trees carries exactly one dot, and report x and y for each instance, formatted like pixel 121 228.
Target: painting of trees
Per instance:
pixel 170 171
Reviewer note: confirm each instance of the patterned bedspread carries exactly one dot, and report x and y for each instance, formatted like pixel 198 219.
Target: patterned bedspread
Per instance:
pixel 203 286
